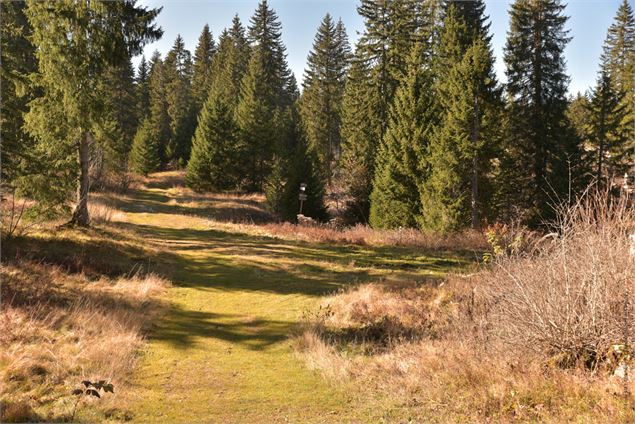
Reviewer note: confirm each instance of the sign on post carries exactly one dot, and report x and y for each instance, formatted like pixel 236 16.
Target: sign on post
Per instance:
pixel 302 196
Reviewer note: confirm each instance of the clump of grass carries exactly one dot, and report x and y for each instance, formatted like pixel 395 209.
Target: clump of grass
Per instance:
pixel 100 212
pixel 57 329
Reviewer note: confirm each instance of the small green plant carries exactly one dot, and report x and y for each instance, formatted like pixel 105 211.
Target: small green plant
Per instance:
pixel 90 389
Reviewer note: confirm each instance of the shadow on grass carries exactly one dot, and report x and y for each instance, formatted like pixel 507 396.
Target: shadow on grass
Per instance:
pixel 182 328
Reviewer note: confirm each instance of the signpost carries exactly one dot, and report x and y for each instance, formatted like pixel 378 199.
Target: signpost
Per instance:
pixel 302 196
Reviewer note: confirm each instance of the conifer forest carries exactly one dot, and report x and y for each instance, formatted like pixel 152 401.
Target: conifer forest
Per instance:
pixel 410 231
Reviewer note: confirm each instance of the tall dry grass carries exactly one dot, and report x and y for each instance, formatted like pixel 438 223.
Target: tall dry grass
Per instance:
pixel 530 337
pixel 57 329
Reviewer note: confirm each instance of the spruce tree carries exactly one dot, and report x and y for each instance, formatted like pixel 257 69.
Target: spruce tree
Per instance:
pixel 453 196
pixel 321 101
pixel 607 110
pixel 202 68
pixel 159 117
pixel 213 159
pixel 85 37
pixel 144 155
pixel 401 160
pixel 117 128
pixel 17 55
pixel 265 92
pixel 540 143
pixel 142 84
pixel 177 70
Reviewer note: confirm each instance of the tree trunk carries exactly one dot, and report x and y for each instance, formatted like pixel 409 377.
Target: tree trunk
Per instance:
pixel 80 214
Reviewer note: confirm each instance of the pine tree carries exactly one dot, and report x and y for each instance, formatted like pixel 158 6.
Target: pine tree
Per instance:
pixel 266 89
pixel 144 155
pixel 117 128
pixel 469 103
pixel 86 37
pixel 202 68
pixel 401 159
pixel 17 55
pixel 142 84
pixel 606 114
pixel 212 164
pixel 294 163
pixel 230 63
pixel 321 101
pixel 159 117
pixel 541 145
pixel 181 109
pixel 361 130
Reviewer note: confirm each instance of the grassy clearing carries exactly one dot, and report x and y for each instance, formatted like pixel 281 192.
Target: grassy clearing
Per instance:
pixel 221 352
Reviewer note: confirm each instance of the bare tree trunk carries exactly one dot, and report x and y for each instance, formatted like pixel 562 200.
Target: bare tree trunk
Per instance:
pixel 475 135
pixel 80 214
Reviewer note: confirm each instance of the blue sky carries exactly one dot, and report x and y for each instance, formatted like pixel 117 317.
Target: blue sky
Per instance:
pixel 589 20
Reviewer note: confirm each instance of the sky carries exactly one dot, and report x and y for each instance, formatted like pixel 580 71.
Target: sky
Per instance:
pixel 589 20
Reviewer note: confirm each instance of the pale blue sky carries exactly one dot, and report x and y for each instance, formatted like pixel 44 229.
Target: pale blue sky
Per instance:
pixel 589 20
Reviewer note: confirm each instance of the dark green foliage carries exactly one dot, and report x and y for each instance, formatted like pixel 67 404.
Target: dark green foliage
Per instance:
pixel 607 110
pixel 361 132
pixel 88 38
pixel 202 68
pixel 118 125
pixel 267 88
pixel 294 163
pixel 401 159
pixel 142 86
pixel 455 194
pixel 17 56
pixel 159 118
pixel 177 73
pixel 144 155
pixel 213 159
pixel 541 145
pixel 321 103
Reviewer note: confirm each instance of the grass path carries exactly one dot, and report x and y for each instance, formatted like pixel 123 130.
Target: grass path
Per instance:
pixel 221 354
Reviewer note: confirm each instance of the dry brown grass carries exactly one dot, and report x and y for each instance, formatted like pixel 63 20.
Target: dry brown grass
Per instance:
pixel 57 329
pixel 525 339
pixel 364 235
pixel 100 212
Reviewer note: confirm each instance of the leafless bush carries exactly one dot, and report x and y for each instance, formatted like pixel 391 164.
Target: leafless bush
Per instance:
pixel 567 299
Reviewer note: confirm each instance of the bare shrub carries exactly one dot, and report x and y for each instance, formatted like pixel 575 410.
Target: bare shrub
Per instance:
pixel 566 300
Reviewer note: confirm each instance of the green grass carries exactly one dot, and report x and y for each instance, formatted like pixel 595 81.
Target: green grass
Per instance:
pixel 221 353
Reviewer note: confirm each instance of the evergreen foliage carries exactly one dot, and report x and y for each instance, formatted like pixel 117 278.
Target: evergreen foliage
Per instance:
pixel 202 68
pixel 541 146
pixel 142 87
pixel 401 158
pixel 213 159
pixel 86 37
pixel 144 155
pixel 321 102
pixel 177 71
pixel 159 118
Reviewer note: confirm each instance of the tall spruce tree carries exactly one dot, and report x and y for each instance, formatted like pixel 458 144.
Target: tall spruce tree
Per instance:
pixel 202 68
pixel 177 70
pixel 541 145
pixel 159 117
pixel 86 37
pixel 607 110
pixel 142 87
pixel 17 55
pixel 264 93
pixel 212 163
pixel 321 102
pixel 391 29
pixel 453 195
pixel 144 154
pixel 401 164
pixel 118 125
